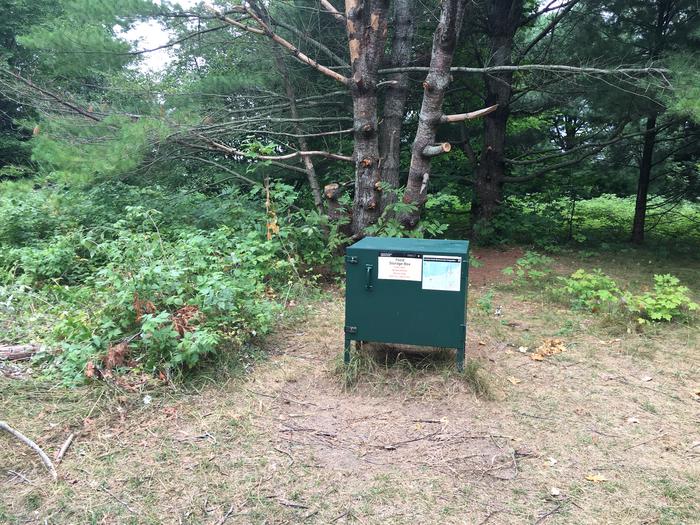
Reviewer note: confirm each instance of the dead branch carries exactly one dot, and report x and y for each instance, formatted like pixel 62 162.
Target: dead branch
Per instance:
pixel 264 29
pixel 536 67
pixel 433 150
pixel 52 95
pixel 332 10
pixel 17 352
pixel 459 117
pixel 24 439
pixel 233 151
pixel 64 448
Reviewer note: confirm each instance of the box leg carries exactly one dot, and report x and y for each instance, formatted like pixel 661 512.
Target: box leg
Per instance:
pixel 460 359
pixel 461 351
pixel 346 354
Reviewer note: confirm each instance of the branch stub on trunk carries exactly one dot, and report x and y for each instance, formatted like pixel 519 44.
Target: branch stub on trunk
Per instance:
pixel 434 150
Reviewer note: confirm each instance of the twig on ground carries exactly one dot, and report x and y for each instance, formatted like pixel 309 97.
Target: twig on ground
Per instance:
pixel 645 442
pixel 291 458
pixel 262 394
pixel 226 516
pixel 24 439
pixel 126 505
pixel 393 446
pixel 548 514
pixel 289 503
pixel 340 516
pixel 20 476
pixel 64 448
pixel 489 516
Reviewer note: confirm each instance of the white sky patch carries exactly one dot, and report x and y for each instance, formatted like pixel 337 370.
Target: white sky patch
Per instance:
pixel 150 35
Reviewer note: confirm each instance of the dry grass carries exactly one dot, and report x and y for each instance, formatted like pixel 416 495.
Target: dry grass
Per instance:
pixel 407 441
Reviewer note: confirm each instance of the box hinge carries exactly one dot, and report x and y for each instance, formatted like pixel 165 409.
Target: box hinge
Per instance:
pixel 351 259
pixel 351 329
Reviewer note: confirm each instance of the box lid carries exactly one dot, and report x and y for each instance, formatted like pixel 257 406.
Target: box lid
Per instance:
pixel 397 244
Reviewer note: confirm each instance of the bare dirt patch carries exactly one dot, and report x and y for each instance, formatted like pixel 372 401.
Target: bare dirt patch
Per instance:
pixel 492 262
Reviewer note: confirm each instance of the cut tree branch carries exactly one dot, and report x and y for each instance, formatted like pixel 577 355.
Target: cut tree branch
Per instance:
pixel 434 150
pixel 459 117
pixel 332 10
pixel 36 448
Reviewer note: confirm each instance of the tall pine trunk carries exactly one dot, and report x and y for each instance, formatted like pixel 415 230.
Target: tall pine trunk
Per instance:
pixel 366 29
pixel 640 208
pixel 434 87
pixel 395 96
pixel 502 21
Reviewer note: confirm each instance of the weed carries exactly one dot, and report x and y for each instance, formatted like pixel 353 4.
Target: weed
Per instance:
pixel 531 268
pixel 485 302
pixel 473 375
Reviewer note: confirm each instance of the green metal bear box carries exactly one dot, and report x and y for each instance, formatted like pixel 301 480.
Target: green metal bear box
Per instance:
pixel 407 291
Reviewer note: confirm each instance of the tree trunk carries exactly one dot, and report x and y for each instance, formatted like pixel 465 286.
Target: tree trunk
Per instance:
pixel 366 28
pixel 640 208
pixel 301 141
pixel 490 173
pixel 434 86
pixel 395 101
pixel 502 21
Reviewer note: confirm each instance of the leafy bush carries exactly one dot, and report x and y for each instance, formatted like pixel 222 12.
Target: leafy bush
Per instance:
pixel 173 277
pixel 532 267
pixel 592 290
pixel 668 301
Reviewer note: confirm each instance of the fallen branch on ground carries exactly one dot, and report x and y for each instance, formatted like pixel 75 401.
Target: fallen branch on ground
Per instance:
pixel 17 352
pixel 36 448
pixel 64 448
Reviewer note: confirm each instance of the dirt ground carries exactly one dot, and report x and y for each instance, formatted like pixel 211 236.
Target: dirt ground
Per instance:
pixel 607 431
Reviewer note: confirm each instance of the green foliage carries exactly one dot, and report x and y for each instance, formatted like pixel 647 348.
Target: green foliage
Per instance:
pixel 597 292
pixel 389 225
pixel 592 290
pixel 531 268
pixel 485 302
pixel 80 272
pixel 668 301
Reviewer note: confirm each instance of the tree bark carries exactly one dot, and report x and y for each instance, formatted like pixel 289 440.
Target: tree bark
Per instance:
pixel 434 86
pixel 395 96
pixel 640 207
pixel 366 29
pixel 502 21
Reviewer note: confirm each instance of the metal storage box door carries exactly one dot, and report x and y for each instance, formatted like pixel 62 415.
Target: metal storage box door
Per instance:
pixel 407 291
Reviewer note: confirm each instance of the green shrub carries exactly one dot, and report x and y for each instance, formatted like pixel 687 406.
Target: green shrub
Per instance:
pixel 531 268
pixel 668 301
pixel 118 262
pixel 592 290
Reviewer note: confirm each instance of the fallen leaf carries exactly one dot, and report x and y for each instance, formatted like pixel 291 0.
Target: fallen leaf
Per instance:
pixel 596 478
pixel 481 343
pixel 116 355
pixel 547 348
pixel 513 380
